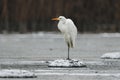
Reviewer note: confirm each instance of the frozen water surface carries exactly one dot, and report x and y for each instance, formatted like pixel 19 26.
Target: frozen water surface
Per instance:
pixel 52 46
pixel 32 51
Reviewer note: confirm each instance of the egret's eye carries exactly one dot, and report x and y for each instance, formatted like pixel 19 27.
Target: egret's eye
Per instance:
pixel 60 18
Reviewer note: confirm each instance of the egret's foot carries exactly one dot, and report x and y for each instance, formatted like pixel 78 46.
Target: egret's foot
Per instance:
pixel 68 59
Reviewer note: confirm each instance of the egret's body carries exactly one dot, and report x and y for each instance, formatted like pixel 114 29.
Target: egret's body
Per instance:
pixel 69 30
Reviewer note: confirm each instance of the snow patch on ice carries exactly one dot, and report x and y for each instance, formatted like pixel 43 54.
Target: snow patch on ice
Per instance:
pixel 66 63
pixel 113 55
pixel 16 73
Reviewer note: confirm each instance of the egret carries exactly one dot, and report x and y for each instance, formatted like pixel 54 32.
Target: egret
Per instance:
pixel 69 31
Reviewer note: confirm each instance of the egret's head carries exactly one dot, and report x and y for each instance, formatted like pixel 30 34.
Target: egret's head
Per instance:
pixel 61 18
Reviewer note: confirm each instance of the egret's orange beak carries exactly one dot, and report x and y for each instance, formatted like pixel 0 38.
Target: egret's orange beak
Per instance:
pixel 55 19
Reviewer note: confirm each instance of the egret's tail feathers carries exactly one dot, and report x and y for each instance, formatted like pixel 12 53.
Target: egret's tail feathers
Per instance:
pixel 70 41
pixel 70 44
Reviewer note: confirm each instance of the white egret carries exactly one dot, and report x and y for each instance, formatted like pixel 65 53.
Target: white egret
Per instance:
pixel 69 30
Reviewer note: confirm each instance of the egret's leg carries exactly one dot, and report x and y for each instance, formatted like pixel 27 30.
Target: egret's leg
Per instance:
pixel 68 58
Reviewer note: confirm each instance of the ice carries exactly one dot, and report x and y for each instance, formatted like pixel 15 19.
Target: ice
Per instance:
pixel 113 55
pixel 22 62
pixel 16 73
pixel 82 74
pixel 110 34
pixel 66 63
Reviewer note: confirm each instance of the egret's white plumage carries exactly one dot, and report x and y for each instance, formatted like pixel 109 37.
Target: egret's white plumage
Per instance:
pixel 68 29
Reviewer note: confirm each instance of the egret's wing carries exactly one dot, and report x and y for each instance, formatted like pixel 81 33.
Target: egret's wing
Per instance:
pixel 72 30
pixel 71 27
